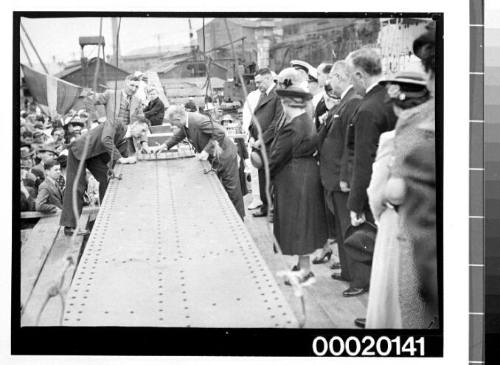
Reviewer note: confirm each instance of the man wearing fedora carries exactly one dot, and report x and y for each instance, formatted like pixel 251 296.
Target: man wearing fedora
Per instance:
pixel 45 152
pixel 268 112
pixel 28 179
pixel 72 127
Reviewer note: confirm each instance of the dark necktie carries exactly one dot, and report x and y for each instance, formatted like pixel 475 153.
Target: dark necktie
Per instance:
pixel 261 99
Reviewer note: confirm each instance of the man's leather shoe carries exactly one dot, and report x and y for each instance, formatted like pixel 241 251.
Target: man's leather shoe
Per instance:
pixel 254 206
pixel 68 231
pixel 335 266
pixel 360 322
pixel 259 214
pixel 338 277
pixel 352 292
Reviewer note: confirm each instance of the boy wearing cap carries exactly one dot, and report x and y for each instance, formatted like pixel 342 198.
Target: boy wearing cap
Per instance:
pixel 44 153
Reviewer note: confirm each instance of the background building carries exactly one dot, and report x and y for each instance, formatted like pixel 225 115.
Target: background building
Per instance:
pixel 150 57
pixel 83 75
pixel 317 40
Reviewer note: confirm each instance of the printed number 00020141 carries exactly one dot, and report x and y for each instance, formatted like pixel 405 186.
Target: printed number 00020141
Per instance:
pixel 368 346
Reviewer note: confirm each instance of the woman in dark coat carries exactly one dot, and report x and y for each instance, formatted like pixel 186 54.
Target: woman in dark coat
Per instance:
pixel 299 221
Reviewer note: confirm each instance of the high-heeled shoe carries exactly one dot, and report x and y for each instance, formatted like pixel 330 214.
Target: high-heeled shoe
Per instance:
pixel 323 258
pixel 306 279
pixel 295 267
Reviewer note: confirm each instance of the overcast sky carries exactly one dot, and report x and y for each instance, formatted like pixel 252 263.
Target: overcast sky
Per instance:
pixel 59 36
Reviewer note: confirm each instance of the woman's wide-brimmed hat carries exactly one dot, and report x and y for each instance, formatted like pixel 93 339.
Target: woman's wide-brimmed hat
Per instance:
pixel 406 85
pixel 291 85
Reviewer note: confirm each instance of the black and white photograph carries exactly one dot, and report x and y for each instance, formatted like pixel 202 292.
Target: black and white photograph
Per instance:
pixel 229 173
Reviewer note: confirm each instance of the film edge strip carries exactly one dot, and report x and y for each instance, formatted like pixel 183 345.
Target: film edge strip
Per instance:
pixel 476 183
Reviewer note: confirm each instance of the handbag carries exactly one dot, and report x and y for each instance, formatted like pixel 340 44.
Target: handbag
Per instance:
pixel 360 241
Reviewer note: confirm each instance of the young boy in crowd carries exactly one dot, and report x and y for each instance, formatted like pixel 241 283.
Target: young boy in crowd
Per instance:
pixel 155 110
pixel 50 196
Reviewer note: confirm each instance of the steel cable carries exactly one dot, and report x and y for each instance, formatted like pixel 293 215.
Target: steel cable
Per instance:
pixel 295 284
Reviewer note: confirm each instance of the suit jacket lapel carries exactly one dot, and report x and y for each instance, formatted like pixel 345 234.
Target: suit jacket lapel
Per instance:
pixel 344 100
pixel 373 91
pixel 55 189
pixel 265 99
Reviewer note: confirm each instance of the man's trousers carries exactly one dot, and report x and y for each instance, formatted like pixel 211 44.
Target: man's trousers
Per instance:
pixel 98 167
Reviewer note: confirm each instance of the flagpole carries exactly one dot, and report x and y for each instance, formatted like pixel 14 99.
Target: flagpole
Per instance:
pixel 26 52
pixel 34 48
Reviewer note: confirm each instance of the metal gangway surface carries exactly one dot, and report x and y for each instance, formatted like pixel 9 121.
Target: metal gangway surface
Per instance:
pixel 169 249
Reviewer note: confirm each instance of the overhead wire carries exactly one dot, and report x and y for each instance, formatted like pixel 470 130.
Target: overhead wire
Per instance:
pixel 26 52
pixel 34 48
pixel 117 53
pixel 81 164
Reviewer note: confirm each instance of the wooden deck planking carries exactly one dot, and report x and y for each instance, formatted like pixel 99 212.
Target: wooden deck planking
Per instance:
pixel 34 253
pixel 325 305
pixel 50 276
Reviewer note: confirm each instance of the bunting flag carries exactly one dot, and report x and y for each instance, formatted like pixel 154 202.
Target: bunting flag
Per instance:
pixel 58 95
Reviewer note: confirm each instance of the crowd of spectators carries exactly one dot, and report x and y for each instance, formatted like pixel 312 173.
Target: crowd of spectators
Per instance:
pixel 43 156
pixel 352 160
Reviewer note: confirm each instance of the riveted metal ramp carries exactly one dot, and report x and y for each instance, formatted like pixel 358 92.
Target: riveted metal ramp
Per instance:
pixel 169 249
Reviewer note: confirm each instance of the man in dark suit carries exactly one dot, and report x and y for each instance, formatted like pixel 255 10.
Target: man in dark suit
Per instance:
pixel 50 196
pixel 155 110
pixel 267 112
pixel 374 117
pixel 106 145
pixel 332 136
pixel 210 141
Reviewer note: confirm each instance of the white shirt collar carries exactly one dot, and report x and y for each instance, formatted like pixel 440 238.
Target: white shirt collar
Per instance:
pixel 270 88
pixel 345 92
pixel 369 88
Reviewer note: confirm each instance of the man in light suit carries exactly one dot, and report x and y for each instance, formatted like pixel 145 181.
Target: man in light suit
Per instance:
pixel 268 112
pixel 333 154
pixel 374 117
pixel 210 141
pixel 122 105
